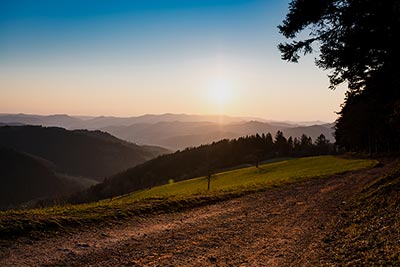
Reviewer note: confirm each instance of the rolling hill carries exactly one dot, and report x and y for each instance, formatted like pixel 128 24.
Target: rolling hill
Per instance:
pixel 198 161
pixel 24 177
pixel 91 154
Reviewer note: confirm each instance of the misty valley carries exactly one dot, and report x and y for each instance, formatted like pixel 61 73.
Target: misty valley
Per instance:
pixel 45 162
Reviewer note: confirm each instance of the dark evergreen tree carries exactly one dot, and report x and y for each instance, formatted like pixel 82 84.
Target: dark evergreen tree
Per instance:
pixel 281 144
pixel 359 42
pixel 306 145
pixel 290 145
pixel 268 144
pixel 296 146
pixel 322 145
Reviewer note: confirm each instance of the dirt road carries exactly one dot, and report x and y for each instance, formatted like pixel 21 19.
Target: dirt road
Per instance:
pixel 280 227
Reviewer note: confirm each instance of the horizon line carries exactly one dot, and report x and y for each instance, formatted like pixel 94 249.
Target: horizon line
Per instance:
pixel 253 118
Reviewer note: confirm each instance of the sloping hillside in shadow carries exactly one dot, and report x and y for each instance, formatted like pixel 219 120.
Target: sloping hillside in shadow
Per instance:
pixel 24 178
pixel 92 154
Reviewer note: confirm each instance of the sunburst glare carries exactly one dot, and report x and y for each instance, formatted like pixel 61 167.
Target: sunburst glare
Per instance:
pixel 221 92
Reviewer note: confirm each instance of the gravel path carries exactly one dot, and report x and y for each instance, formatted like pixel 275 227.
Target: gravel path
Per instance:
pixel 280 227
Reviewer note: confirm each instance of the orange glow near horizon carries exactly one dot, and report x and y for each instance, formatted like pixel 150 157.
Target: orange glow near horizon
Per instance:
pixel 198 57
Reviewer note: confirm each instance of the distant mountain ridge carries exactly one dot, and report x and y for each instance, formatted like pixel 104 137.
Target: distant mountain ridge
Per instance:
pixel 97 122
pixel 93 123
pixel 179 135
pixel 175 131
pixel 59 120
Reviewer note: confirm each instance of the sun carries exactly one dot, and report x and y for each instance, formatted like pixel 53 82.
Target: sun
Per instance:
pixel 220 92
pixel 220 95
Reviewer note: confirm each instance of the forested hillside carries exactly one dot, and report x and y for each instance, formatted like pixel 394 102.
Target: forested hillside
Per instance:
pixel 205 160
pixel 91 154
pixel 24 178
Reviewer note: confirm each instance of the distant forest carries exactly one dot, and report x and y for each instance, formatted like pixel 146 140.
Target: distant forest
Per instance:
pixel 206 160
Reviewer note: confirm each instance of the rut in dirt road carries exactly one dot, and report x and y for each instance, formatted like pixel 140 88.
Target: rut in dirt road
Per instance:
pixel 279 227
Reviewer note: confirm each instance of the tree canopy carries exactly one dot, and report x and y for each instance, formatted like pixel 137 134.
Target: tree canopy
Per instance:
pixel 358 41
pixel 356 38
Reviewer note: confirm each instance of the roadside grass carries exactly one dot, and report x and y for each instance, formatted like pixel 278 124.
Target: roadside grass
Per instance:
pixel 177 196
pixel 368 231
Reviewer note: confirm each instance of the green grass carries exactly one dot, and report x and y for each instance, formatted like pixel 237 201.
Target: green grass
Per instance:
pixel 176 196
pixel 268 175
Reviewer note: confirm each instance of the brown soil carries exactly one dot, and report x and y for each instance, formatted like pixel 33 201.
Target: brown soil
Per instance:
pixel 280 227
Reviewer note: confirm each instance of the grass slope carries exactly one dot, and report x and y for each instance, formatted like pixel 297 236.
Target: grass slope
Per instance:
pixel 368 233
pixel 179 195
pixel 268 175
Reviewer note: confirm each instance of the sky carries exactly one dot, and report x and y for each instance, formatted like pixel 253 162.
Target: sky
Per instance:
pixel 134 57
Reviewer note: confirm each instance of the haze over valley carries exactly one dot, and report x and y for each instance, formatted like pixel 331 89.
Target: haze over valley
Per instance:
pixel 176 131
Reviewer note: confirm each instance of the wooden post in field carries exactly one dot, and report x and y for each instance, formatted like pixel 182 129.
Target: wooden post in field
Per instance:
pixel 209 171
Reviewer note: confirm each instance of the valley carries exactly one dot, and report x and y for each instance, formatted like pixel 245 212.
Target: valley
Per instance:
pixel 38 163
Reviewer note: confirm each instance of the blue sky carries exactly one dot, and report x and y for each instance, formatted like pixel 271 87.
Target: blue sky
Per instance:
pixel 48 28
pixel 127 58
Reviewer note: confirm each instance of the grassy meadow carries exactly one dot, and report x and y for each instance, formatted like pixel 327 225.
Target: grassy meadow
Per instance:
pixel 250 178
pixel 179 195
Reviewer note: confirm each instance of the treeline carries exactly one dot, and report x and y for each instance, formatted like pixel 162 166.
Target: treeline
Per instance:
pixel 204 160
pixel 370 120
